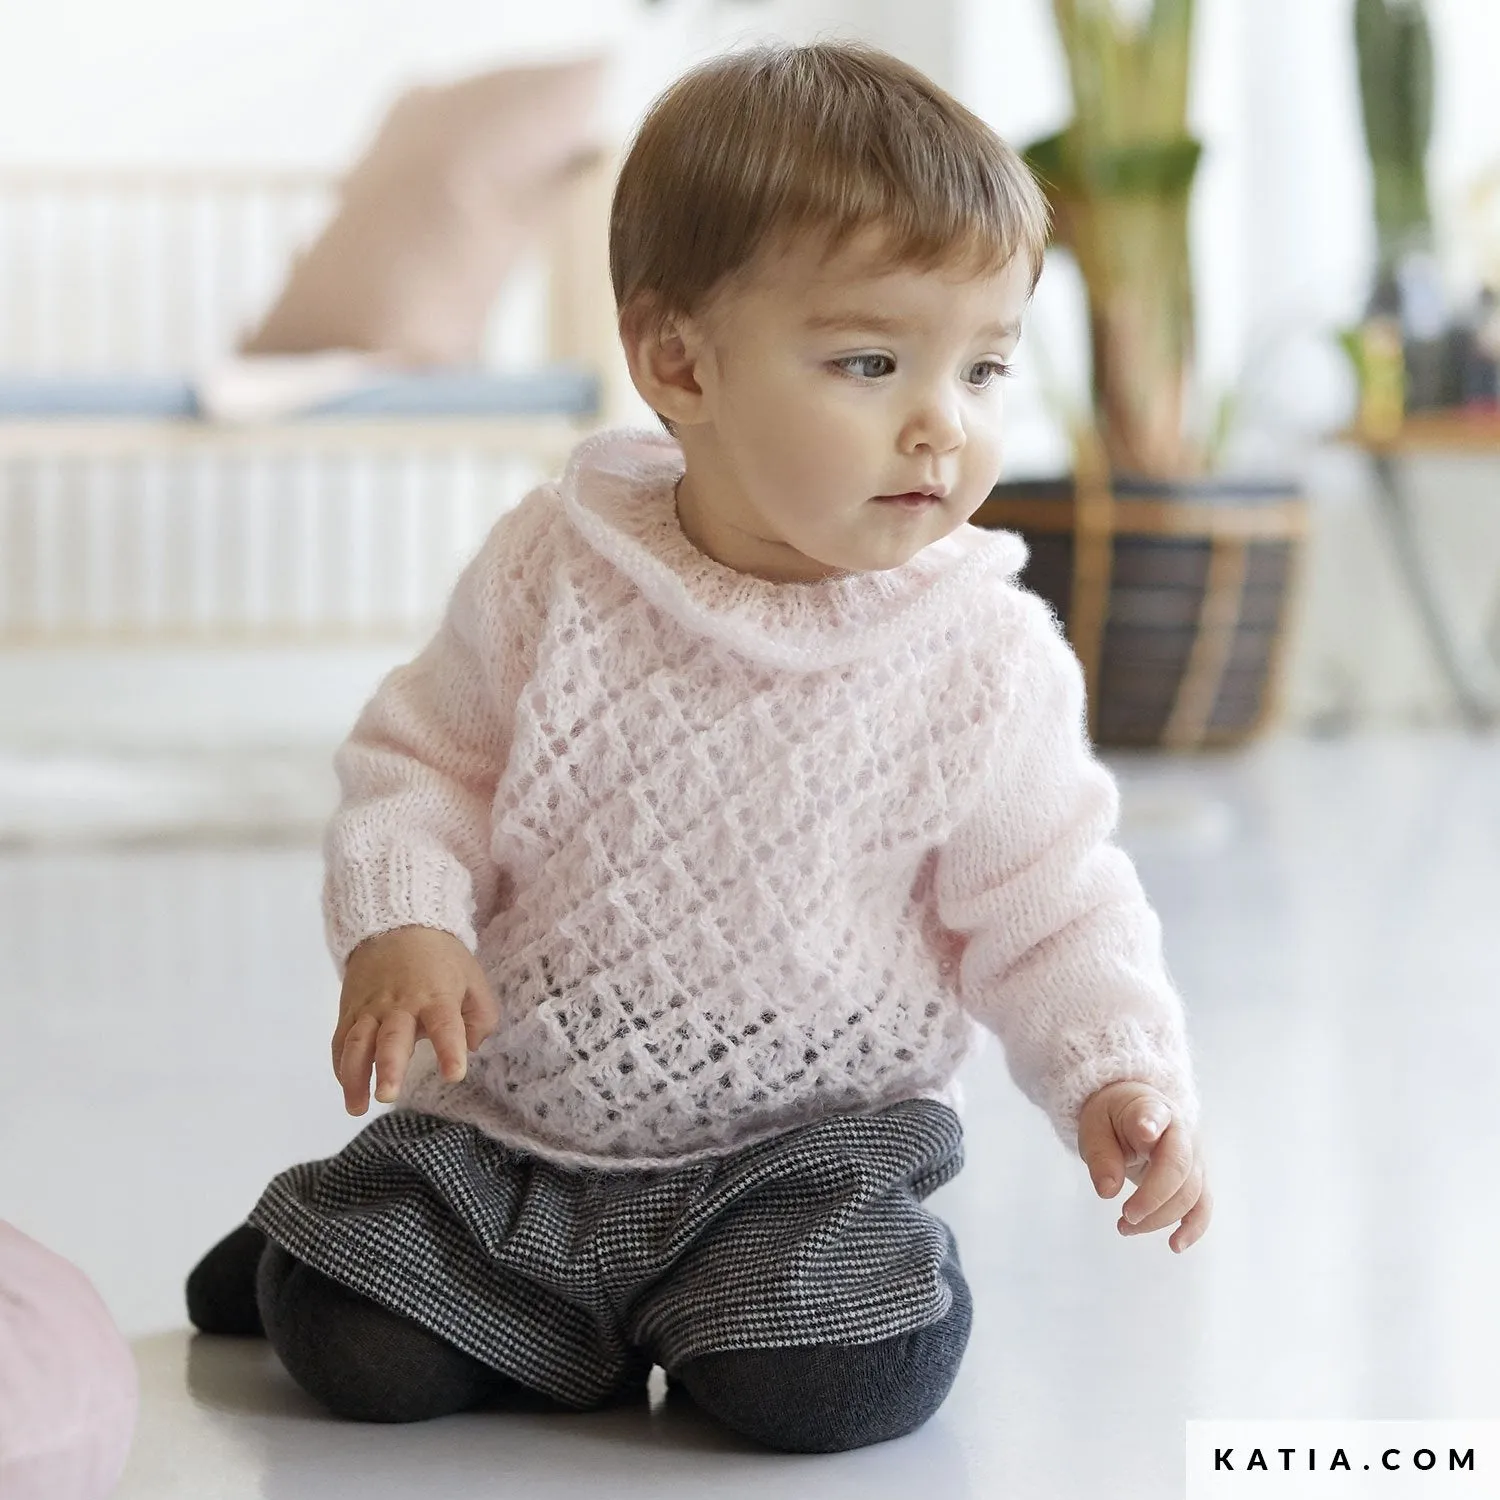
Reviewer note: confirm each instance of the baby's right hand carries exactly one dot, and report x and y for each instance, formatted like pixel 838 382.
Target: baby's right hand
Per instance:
pixel 400 985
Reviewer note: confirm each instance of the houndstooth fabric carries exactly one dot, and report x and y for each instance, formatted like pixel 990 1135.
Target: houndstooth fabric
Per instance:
pixel 576 1282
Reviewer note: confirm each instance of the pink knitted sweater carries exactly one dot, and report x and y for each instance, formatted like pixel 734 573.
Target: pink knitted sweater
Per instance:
pixel 735 854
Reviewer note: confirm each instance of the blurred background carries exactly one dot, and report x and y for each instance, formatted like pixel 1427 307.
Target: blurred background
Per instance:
pixel 240 581
pixel 297 298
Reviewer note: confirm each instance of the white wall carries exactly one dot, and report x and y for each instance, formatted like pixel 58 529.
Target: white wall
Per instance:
pixel 302 81
pixel 279 81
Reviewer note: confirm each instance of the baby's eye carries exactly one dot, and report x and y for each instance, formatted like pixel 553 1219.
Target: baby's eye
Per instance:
pixel 1000 371
pixel 863 359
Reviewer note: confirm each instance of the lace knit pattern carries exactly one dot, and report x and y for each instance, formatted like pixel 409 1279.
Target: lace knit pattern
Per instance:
pixel 736 855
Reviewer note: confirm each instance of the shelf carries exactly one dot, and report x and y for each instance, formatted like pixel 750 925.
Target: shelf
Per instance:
pixel 1437 432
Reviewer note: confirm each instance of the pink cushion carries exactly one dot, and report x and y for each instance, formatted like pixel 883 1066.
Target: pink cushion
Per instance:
pixel 458 181
pixel 68 1388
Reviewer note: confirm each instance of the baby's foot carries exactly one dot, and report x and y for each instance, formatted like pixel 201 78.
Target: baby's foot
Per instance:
pixel 221 1287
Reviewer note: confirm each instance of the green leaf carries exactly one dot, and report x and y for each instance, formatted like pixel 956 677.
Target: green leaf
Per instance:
pixel 1048 158
pixel 1144 169
pixel 1152 169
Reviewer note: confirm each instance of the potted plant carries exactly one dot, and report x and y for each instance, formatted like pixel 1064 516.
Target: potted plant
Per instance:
pixel 1398 359
pixel 1173 582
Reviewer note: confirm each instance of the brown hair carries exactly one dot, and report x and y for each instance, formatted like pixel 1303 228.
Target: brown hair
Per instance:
pixel 755 147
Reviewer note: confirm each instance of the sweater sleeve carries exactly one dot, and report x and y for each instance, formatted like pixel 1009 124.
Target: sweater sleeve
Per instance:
pixel 409 844
pixel 1063 959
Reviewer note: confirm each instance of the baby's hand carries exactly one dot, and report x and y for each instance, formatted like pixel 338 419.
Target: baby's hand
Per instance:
pixel 1126 1129
pixel 398 986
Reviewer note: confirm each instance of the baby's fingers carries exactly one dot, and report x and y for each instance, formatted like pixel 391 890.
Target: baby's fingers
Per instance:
pixel 1101 1153
pixel 444 1028
pixel 1176 1207
pixel 355 1059
pixel 398 1034
pixel 480 1014
pixel 1171 1163
pixel 1194 1223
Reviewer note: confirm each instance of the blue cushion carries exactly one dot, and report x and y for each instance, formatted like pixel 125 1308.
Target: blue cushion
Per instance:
pixel 96 396
pixel 554 390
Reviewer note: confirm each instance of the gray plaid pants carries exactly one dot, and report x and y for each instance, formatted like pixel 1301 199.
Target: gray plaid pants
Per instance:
pixel 574 1283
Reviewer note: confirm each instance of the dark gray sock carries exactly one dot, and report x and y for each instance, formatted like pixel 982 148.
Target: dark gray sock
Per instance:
pixel 221 1287
pixel 365 1362
pixel 827 1398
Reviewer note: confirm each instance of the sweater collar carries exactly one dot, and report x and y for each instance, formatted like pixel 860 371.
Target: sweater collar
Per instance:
pixel 618 492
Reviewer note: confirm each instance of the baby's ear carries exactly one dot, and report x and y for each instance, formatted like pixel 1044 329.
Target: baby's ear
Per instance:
pixel 660 354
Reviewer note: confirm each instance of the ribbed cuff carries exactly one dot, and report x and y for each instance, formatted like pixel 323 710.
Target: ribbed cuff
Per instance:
pixel 1125 1051
pixel 407 887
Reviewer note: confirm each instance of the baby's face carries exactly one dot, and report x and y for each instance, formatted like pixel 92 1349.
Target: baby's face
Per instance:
pixel 825 386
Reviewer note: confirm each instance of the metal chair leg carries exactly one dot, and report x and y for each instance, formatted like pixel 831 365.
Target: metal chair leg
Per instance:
pixel 1395 509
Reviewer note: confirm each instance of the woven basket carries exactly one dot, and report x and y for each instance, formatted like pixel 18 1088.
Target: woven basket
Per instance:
pixel 1175 596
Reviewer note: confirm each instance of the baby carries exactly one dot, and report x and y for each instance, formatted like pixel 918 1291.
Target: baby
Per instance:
pixel 741 785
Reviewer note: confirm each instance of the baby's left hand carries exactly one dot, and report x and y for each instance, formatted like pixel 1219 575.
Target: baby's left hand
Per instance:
pixel 1127 1129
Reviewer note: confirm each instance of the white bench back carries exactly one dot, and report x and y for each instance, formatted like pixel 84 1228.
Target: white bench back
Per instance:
pixel 114 270
pixel 158 530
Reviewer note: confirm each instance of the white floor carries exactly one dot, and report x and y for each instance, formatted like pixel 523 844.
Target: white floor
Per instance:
pixel 1331 915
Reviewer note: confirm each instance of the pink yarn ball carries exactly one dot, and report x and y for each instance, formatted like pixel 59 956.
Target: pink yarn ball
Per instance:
pixel 68 1384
